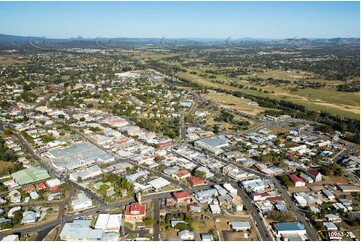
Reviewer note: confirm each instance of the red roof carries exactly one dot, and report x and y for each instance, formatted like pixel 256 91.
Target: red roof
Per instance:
pixel 54 189
pixel 40 186
pixel 135 209
pixel 8 136
pixel 313 172
pixel 276 199
pixel 263 194
pixel 181 195
pixel 194 181
pixel 295 178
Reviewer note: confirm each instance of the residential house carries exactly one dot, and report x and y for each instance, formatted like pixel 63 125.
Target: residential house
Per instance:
pixel 314 174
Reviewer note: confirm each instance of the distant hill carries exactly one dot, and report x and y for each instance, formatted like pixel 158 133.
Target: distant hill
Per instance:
pixel 11 41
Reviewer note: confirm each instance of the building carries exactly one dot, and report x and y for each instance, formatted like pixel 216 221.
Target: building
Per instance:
pixel 29 217
pixel 240 226
pixel 181 174
pixel 182 197
pixel 30 175
pixel 135 212
pixel 80 230
pixel 215 208
pixel 186 235
pixel 330 226
pixel 328 194
pixel 76 156
pixel 82 202
pixel 12 237
pixel 206 237
pixel 289 228
pixel 314 174
pixel 298 182
pixel 212 144
pixel 306 178
pixel 87 173
pixel 195 181
pixel 348 188
pixel 109 222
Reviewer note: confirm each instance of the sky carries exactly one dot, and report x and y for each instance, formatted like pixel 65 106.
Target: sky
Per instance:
pixel 271 20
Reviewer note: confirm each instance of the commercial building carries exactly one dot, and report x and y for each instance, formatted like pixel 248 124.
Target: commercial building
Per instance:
pixel 109 222
pixel 78 155
pixel 80 230
pixel 87 173
pixel 289 228
pixel 30 175
pixel 212 144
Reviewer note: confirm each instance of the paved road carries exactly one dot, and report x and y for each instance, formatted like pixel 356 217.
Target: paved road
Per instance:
pixel 156 204
pixel 310 230
pixel 71 217
pixel 43 233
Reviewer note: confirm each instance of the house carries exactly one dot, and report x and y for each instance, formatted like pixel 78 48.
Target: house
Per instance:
pixel 194 208
pixel 186 235
pixel 215 208
pixel 82 202
pixel 40 186
pixel 195 181
pixel 330 226
pixel 328 194
pixel 181 174
pixel 34 195
pixel 333 218
pixel 182 197
pixel 135 212
pixel 206 237
pixel 240 226
pixel 314 174
pixel 224 200
pixel 174 223
pixel 298 182
pixel 256 196
pixel 306 178
pixel 29 217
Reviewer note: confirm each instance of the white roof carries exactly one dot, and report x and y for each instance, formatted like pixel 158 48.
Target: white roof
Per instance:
pixel 12 237
pixel 215 208
pixel 53 182
pixel 102 221
pixel 114 221
pixel 159 183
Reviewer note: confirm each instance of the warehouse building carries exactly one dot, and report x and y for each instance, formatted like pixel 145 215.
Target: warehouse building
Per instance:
pixel 77 156
pixel 212 144
pixel 30 175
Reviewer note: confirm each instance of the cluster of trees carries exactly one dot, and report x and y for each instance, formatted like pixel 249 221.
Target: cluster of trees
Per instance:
pixel 187 218
pixel 281 216
pixel 331 170
pixel 16 219
pixel 199 174
pixel 349 87
pixel 285 180
pixel 5 153
pixel 119 183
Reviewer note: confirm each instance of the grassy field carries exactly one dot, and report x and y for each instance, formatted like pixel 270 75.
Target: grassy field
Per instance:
pixel 231 102
pixel 312 104
pixel 4 167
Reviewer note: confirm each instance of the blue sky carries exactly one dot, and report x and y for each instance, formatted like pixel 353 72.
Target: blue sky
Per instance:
pixel 181 19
